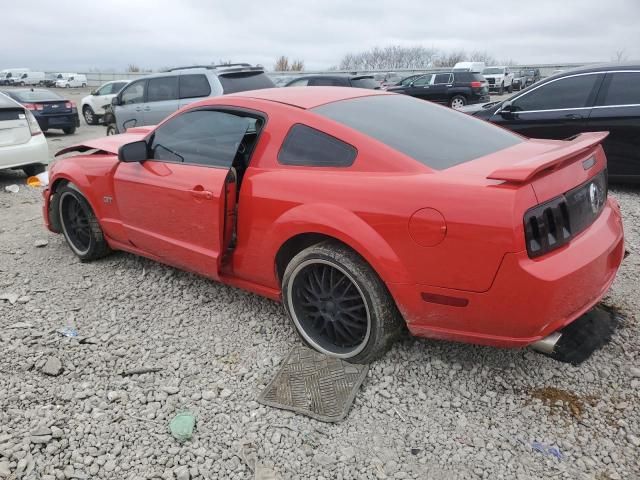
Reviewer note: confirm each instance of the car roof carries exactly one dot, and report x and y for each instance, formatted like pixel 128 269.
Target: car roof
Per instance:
pixel 308 97
pixel 600 67
pixel 7 102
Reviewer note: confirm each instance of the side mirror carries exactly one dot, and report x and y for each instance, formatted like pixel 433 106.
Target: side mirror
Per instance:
pixel 115 101
pixel 507 108
pixel 134 152
pixel 94 92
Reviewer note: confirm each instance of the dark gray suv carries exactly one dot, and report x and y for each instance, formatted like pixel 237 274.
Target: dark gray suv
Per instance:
pixel 149 100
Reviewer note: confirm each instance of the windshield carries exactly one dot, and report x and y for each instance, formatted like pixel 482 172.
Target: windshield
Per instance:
pixel 426 132
pixel 493 71
pixel 36 96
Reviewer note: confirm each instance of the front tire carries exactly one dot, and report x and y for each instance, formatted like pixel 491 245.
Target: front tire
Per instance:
pixel 457 101
pixel 111 129
pixel 501 89
pixel 32 170
pixel 80 226
pixel 338 304
pixel 89 115
pixel 510 89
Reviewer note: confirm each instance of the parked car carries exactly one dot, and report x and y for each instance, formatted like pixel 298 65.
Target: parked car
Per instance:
pixel 74 80
pixel 499 79
pixel 147 101
pixel 519 79
pixel 92 106
pixel 10 75
pixel 30 78
pixel 50 79
pixel 337 80
pixel 22 144
pixel 594 98
pixel 306 195
pixel 476 67
pixel 50 109
pixel 454 89
pixel 532 75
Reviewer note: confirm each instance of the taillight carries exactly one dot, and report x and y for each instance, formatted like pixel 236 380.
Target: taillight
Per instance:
pixel 476 84
pixel 70 105
pixel 32 106
pixel 34 128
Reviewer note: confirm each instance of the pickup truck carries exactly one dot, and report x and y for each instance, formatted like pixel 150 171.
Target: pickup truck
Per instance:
pixel 499 79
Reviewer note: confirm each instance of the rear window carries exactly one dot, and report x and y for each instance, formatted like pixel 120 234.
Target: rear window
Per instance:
pixel 435 136
pixel 468 77
pixel 306 146
pixel 241 81
pixel 36 96
pixel 192 86
pixel 367 82
pixel 622 89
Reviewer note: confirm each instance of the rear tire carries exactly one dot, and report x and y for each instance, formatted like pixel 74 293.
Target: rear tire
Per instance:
pixel 510 89
pixel 111 129
pixel 338 304
pixel 34 169
pixel 80 226
pixel 457 101
pixel 69 130
pixel 501 89
pixel 84 85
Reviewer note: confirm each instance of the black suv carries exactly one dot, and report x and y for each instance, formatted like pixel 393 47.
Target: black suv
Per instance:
pixel 455 89
pixel 588 99
pixel 358 81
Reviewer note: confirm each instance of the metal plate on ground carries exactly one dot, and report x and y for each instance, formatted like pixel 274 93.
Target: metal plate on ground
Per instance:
pixel 315 385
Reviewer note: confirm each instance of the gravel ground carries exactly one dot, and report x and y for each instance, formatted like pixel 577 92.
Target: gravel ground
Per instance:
pixel 429 409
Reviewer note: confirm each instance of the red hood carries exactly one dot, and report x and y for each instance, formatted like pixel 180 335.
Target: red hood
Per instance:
pixel 109 144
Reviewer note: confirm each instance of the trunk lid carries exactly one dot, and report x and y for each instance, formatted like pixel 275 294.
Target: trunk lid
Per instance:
pixel 54 107
pixel 551 167
pixel 14 128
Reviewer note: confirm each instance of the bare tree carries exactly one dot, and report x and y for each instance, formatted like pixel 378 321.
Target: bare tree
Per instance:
pixel 451 58
pixel 482 57
pixel 133 68
pixel 620 56
pixel 281 65
pixel 389 58
pixel 297 66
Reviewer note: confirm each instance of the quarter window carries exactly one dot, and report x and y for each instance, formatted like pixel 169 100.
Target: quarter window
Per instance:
pixel 310 147
pixel 202 137
pixel 568 92
pixel 622 89
pixel 441 78
pixel 193 86
pixel 134 93
pixel 162 89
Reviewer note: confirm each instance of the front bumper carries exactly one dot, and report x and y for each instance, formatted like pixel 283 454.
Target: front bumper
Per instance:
pixel 34 151
pixel 529 298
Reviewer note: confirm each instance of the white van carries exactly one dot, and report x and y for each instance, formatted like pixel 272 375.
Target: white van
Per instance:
pixel 30 78
pixel 71 80
pixel 11 75
pixel 476 67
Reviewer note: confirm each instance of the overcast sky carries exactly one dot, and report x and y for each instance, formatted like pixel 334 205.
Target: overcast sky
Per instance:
pixel 80 35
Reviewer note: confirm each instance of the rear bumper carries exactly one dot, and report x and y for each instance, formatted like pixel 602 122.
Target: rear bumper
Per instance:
pixel 529 299
pixel 64 120
pixel 473 99
pixel 34 151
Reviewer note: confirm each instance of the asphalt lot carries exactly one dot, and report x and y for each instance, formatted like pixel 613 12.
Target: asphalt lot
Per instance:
pixel 427 410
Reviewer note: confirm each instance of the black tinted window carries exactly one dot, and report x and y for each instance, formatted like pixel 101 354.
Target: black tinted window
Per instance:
pixel 569 92
pixel 327 82
pixel 441 78
pixel 241 81
pixel 162 88
pixel 435 136
pixel 201 137
pixel 364 83
pixel 623 89
pixel 134 93
pixel 192 86
pixel 308 146
pixel 117 86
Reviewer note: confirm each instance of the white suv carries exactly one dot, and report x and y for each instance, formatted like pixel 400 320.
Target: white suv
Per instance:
pixel 499 79
pixel 92 106
pixel 22 143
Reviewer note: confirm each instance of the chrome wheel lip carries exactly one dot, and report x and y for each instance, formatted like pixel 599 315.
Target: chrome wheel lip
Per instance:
pixel 298 325
pixel 76 250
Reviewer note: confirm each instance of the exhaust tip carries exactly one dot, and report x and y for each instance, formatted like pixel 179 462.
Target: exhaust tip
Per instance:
pixel 547 344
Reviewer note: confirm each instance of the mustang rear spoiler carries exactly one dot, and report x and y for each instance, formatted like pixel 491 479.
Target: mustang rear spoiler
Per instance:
pixel 524 171
pixel 109 144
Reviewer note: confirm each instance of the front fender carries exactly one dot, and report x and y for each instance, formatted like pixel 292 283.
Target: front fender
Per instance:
pixel 344 225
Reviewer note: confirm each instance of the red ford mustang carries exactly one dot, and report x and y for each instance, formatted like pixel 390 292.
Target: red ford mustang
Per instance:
pixel 459 229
